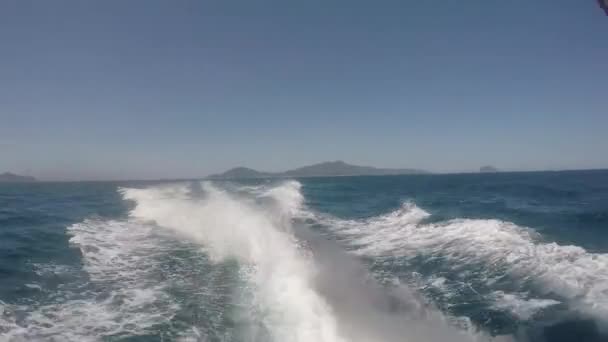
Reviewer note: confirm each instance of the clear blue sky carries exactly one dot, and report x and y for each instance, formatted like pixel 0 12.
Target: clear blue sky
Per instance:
pixel 147 89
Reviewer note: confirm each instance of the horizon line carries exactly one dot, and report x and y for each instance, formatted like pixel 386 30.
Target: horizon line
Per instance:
pixel 184 179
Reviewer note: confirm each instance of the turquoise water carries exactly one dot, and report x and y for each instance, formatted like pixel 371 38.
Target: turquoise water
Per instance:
pixel 471 257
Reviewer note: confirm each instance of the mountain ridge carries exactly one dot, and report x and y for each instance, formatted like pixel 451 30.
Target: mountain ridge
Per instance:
pixel 323 169
pixel 488 169
pixel 14 178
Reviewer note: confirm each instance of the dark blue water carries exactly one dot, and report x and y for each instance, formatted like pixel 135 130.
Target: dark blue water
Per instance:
pixel 569 206
pixel 523 255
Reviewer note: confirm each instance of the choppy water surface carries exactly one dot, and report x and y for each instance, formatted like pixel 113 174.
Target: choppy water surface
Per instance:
pixel 505 257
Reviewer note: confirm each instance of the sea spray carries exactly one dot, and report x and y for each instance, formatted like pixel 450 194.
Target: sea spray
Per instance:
pixel 228 228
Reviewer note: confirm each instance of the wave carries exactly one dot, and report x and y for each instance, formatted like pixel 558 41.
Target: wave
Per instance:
pixel 280 273
pixel 116 296
pixel 182 238
pixel 300 287
pixel 494 250
pixel 520 306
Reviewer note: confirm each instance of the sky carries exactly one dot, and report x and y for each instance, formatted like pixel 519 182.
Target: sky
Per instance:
pixel 166 89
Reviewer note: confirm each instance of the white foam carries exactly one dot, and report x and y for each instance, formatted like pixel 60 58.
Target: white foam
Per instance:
pixel 121 298
pixel 520 306
pixel 438 283
pixel 33 287
pixel 379 233
pixel 287 195
pixel 280 273
pixel 500 248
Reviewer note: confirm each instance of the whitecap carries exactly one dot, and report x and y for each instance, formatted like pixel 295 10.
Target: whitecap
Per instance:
pixel 499 249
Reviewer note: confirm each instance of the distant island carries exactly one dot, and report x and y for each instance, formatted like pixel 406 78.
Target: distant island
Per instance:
pixel 325 169
pixel 488 168
pixel 13 178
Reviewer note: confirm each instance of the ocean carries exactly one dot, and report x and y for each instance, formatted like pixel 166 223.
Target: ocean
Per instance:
pixel 462 257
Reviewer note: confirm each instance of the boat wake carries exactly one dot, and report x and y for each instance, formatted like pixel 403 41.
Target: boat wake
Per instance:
pixel 224 261
pixel 301 287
